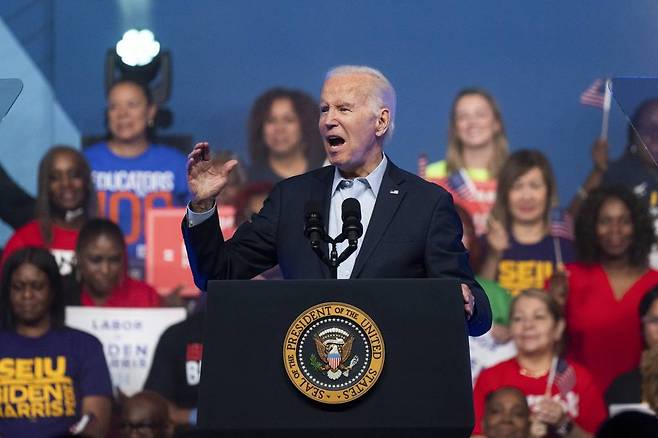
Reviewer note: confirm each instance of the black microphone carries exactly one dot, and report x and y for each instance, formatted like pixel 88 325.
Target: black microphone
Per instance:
pixel 352 228
pixel 313 228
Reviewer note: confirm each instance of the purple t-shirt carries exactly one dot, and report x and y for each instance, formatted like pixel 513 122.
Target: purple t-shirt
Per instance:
pixel 43 381
pixel 530 266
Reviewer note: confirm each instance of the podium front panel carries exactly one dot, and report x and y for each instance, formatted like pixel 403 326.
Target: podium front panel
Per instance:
pixel 424 388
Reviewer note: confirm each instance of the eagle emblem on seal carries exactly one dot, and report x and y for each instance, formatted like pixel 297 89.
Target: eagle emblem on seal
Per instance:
pixel 334 347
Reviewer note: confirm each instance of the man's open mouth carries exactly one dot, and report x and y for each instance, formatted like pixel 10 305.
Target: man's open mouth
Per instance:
pixel 335 140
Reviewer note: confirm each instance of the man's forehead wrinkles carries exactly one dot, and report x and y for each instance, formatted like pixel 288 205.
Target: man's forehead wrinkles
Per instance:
pixel 344 96
pixel 346 84
pixel 342 102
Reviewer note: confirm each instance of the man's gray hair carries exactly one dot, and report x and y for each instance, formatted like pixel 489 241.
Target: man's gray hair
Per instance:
pixel 383 95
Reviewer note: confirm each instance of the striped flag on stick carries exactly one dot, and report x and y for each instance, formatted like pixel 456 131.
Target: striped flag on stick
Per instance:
pixel 565 377
pixel 461 184
pixel 594 94
pixel 598 95
pixel 561 224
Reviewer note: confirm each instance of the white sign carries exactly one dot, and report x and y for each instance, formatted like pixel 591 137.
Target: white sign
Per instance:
pixel 129 337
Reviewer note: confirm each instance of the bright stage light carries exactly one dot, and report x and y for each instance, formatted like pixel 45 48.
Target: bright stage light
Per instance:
pixel 138 47
pixel 138 57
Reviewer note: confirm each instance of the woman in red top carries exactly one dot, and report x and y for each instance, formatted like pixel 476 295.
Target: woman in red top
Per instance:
pixel 561 394
pixel 614 234
pixel 65 201
pixel 101 255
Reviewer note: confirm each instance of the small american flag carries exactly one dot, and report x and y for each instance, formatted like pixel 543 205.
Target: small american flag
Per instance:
pixel 460 185
pixel 565 377
pixel 594 95
pixel 561 224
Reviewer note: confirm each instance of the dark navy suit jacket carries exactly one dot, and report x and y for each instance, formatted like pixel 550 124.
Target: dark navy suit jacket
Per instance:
pixel 414 232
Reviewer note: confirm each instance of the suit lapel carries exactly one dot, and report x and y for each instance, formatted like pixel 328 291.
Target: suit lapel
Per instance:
pixel 390 195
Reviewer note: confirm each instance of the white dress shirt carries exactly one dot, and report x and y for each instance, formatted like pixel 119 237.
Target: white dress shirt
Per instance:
pixel 365 190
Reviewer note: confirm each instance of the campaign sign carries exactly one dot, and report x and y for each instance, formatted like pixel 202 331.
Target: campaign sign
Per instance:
pixel 167 266
pixel 129 337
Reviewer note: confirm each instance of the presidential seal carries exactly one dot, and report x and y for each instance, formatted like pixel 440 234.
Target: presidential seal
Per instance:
pixel 333 353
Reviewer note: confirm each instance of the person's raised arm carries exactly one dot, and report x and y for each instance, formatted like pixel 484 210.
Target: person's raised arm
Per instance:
pixel 497 242
pixel 600 164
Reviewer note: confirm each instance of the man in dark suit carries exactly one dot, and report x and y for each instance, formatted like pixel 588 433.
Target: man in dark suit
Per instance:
pixel 411 228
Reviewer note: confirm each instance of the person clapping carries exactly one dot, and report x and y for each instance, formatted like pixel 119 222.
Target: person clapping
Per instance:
pixel 561 394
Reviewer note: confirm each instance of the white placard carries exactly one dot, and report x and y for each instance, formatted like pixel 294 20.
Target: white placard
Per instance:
pixel 129 337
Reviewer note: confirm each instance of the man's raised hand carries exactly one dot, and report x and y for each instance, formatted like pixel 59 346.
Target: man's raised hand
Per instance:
pixel 206 178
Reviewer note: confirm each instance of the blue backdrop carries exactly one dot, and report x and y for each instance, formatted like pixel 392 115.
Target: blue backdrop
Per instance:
pixel 535 57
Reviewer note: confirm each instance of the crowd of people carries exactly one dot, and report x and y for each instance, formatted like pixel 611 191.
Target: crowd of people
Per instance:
pixel 573 291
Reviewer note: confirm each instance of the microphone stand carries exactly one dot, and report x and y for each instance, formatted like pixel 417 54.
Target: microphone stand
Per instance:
pixel 352 230
pixel 334 260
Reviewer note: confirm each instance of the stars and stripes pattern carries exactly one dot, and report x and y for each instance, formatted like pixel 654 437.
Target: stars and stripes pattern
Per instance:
pixel 334 359
pixel 594 95
pixel 561 224
pixel 565 377
pixel 459 184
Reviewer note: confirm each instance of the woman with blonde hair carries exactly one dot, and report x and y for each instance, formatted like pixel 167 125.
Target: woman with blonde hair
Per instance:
pixel 477 148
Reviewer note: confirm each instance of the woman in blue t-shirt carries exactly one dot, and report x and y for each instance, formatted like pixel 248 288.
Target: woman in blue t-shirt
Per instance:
pixel 53 379
pixel 130 172
pixel 524 247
